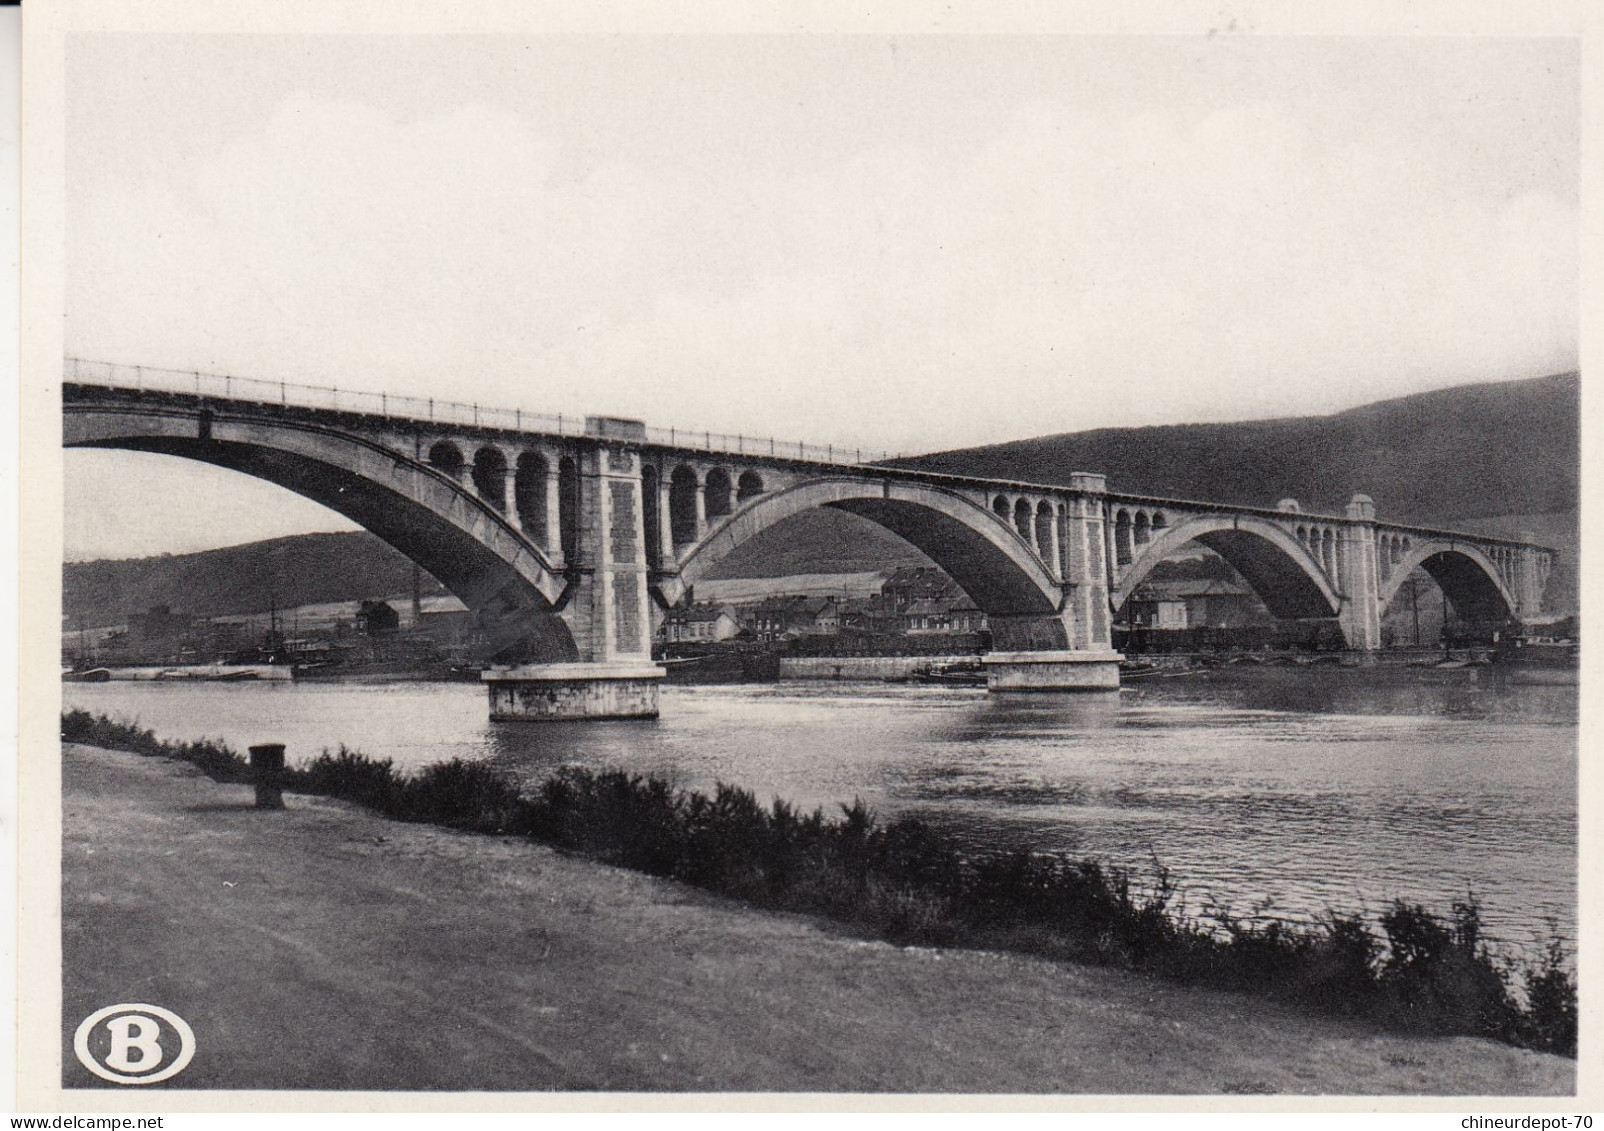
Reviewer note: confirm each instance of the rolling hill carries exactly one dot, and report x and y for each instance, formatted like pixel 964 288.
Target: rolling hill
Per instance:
pixel 1474 451
pixel 304 569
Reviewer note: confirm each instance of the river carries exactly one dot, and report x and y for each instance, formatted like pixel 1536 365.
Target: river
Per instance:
pixel 1290 792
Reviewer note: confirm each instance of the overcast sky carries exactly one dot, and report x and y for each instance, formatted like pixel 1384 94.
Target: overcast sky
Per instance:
pixel 910 243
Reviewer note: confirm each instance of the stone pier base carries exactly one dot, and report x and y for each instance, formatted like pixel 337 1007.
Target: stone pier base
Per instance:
pixel 574 691
pixel 1052 671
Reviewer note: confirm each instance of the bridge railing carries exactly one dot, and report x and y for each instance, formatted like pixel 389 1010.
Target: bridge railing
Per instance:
pixel 144 378
pixel 724 443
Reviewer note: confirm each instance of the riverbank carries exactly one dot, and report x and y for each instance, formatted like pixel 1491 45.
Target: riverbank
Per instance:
pixel 327 947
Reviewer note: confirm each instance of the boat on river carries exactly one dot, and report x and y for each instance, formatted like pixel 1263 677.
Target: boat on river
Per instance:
pixel 1537 662
pixel 950 675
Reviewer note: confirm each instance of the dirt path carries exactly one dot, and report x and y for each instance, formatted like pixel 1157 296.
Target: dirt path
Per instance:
pixel 324 947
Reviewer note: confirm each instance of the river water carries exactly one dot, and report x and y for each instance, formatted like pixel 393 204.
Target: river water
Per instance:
pixel 1290 791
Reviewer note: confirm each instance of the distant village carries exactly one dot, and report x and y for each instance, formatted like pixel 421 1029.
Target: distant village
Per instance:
pixel 911 601
pixel 1191 604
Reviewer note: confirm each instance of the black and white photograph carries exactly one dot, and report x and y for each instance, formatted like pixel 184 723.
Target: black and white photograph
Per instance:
pixel 780 559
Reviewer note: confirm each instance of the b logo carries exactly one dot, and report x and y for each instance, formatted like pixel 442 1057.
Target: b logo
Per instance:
pixel 134 1044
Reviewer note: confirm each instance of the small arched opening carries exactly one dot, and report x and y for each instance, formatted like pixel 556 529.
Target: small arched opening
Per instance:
pixel 1045 542
pixel 529 495
pixel 749 486
pixel 682 488
pixel 1001 508
pixel 568 506
pixel 1122 537
pixel 1022 517
pixel 716 493
pixel 490 476
pixel 1141 529
pixel 651 516
pixel 447 457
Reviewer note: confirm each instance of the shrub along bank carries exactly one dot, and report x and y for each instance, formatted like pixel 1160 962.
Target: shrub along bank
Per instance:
pixel 908 883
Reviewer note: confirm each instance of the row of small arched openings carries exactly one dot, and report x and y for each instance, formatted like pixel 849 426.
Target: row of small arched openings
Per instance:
pixel 527 495
pixel 1041 523
pixel 1135 528
pixel 534 482
pixel 1506 559
pixel 1326 546
pixel 1392 549
pixel 694 501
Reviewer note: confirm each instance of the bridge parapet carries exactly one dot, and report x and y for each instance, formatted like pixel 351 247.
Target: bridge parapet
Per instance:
pixel 437 411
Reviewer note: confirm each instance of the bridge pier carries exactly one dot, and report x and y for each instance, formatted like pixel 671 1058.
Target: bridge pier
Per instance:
pixel 606 606
pixel 1072 649
pixel 1065 670
pixel 542 692
pixel 1359 577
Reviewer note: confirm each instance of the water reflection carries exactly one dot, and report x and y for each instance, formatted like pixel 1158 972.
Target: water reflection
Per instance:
pixel 1316 789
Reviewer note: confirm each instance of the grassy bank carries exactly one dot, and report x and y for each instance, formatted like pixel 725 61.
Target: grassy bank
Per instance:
pixel 906 882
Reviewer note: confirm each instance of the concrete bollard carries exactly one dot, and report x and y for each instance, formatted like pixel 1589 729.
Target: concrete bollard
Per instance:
pixel 267 771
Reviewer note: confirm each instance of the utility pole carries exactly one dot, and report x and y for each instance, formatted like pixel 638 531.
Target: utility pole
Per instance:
pixel 1447 638
pixel 1414 602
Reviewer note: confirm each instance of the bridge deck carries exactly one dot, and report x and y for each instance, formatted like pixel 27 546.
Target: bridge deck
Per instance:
pixel 211 392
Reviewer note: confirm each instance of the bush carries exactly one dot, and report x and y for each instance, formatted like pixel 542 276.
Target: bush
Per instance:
pixel 1440 977
pixel 1549 1020
pixel 463 795
pixel 350 776
pixel 214 759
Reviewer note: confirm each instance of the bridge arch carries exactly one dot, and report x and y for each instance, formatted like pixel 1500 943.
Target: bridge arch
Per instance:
pixel 1286 573
pixel 981 549
pixel 420 508
pixel 1471 580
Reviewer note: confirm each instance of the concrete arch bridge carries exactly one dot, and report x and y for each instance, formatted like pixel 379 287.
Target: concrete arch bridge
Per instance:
pixel 568 538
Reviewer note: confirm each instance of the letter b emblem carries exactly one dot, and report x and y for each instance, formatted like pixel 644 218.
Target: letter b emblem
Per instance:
pixel 134 1044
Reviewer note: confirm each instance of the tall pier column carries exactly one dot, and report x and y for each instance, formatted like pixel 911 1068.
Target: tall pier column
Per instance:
pixel 1530 577
pixel 665 522
pixel 1358 575
pixel 1086 569
pixel 554 522
pixel 1072 651
pixel 509 500
pixel 608 609
pixel 701 506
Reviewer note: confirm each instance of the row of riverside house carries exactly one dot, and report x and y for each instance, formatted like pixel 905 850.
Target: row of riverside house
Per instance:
pixel 913 601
